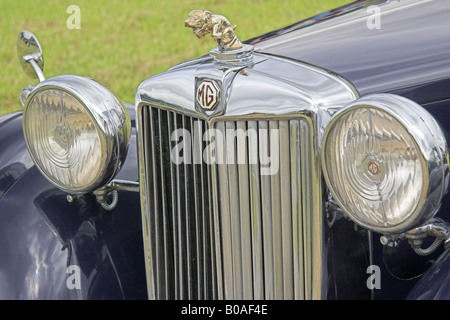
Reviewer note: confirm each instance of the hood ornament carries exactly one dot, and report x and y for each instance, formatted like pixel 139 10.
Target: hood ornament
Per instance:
pixel 203 22
pixel 229 55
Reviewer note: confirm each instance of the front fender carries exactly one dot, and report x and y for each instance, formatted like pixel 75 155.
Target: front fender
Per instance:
pixel 14 157
pixel 54 249
pixel 435 283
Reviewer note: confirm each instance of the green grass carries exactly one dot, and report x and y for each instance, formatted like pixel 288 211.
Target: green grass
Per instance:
pixel 121 43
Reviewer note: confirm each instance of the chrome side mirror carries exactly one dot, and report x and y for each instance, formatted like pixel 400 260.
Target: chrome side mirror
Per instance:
pixel 30 55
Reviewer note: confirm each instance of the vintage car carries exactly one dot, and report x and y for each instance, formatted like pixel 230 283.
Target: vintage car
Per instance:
pixel 308 163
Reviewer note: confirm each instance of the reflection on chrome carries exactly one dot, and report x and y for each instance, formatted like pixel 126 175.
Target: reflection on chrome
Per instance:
pixel 224 229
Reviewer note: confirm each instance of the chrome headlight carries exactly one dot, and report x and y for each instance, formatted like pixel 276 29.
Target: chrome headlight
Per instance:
pixel 385 162
pixel 76 131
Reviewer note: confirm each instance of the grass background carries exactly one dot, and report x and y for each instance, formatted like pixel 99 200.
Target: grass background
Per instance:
pixel 121 43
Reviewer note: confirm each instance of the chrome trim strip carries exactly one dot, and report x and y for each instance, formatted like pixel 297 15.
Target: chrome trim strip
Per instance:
pixel 159 257
pixel 297 211
pixel 306 169
pixel 145 200
pixel 164 211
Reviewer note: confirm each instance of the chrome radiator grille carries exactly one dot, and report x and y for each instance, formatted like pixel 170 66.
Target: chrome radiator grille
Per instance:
pixel 239 227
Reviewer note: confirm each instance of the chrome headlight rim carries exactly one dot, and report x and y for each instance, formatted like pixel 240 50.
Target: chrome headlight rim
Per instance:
pixel 108 115
pixel 430 143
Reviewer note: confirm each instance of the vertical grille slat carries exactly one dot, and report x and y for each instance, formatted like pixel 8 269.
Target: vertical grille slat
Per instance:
pixel 244 208
pixel 286 211
pixel 216 252
pixel 234 200
pixel 189 211
pixel 266 211
pixel 274 152
pixel 198 205
pixel 229 207
pixel 255 212
pixel 162 136
pixel 174 205
pixel 297 213
pixel 180 220
pixel 225 212
pixel 148 214
pixel 160 259
pixel 307 206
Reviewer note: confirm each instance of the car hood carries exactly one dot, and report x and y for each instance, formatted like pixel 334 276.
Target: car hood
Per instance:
pixel 404 50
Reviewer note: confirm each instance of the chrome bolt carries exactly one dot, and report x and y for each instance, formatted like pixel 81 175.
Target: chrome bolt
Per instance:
pixel 384 240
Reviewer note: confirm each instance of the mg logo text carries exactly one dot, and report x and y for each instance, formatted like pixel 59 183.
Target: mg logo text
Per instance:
pixel 208 94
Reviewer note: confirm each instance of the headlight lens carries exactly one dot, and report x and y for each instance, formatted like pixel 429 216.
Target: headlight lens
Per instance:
pixel 76 131
pixel 385 162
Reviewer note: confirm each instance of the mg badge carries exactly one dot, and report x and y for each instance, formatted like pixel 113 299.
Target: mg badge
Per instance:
pixel 208 94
